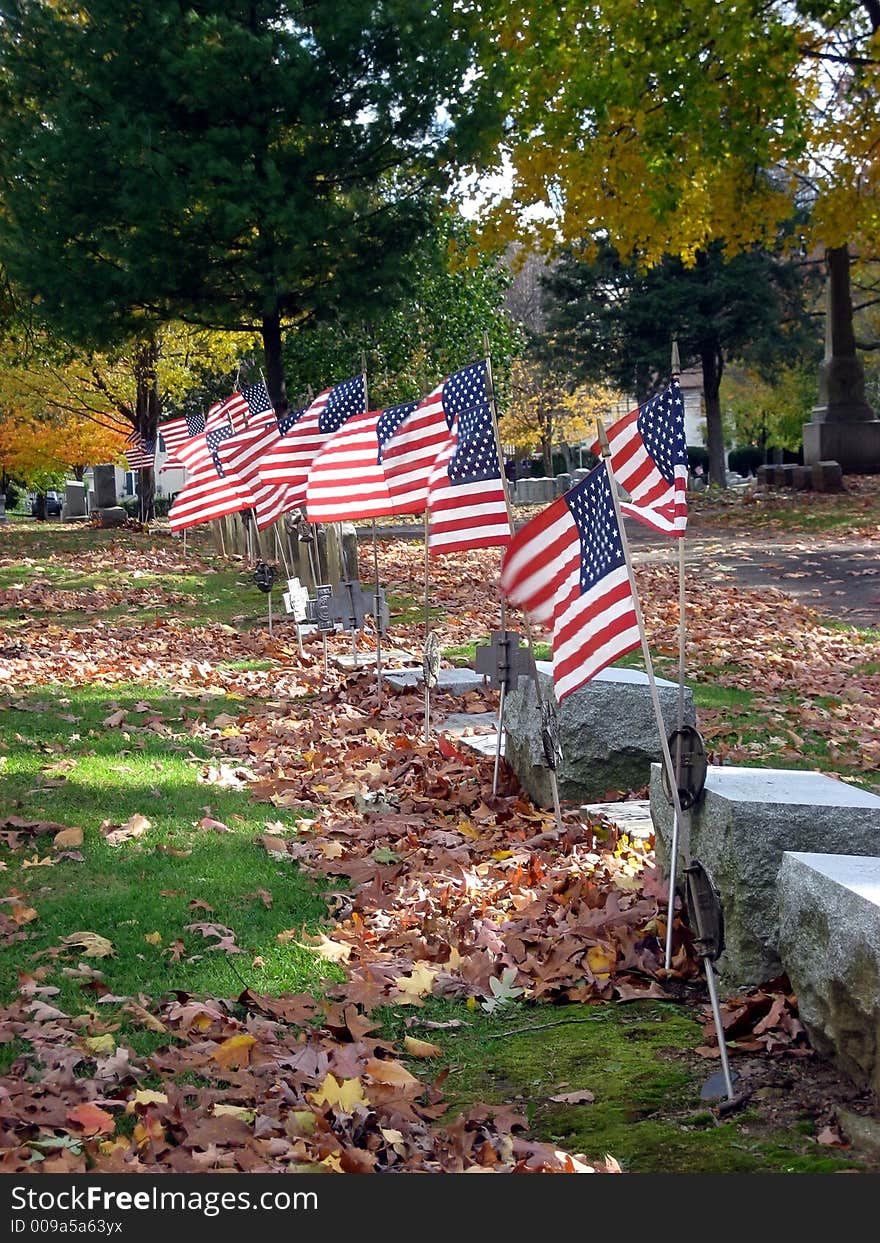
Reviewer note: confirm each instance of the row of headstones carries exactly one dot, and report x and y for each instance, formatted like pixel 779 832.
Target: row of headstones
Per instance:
pixel 795 855
pixel 820 477
pixel 544 489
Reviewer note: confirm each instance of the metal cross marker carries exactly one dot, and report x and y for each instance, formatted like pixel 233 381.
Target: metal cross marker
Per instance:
pixel 707 922
pixel 264 576
pixel 502 660
pixel 431 671
pixel 319 609
pixel 296 599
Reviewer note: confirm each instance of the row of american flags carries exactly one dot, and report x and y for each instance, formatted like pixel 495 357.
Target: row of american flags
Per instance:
pixel 339 461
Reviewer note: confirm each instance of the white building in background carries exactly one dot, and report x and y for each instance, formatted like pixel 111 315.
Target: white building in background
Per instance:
pixel 169 479
pixel 691 383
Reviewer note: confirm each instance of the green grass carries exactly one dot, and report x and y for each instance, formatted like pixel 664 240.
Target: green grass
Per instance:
pixel 639 1064
pixel 128 892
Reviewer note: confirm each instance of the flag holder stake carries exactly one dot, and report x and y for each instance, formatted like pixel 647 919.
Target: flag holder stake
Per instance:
pixel 314 568
pixel 667 758
pixel 539 699
pixel 427 632
pixel 646 654
pixel 377 615
pixel 677 821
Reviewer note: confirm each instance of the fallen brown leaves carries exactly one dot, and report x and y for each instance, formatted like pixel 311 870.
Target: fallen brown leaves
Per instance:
pixel 443 890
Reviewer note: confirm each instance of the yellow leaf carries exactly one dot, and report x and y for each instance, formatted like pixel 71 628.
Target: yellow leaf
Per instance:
pixel 333 951
pixel 89 944
pixel 101 1044
pixel 421 1048
pixel 149 1131
pixel 394 1139
pixel 416 985
pixel 601 961
pixel 501 854
pixel 304 1119
pixel 346 1094
pixel 234 1052
pixel 153 938
pixel 332 1162
pixel 146 1096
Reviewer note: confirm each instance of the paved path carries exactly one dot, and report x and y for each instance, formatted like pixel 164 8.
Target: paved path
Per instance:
pixel 840 578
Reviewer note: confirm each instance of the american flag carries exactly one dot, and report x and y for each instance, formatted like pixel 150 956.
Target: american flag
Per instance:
pixel 185 438
pixel 347 479
pixel 412 439
pixel 257 398
pixel 210 492
pixel 467 502
pixel 304 432
pixel 568 565
pixel 649 459
pixel 241 456
pixel 139 453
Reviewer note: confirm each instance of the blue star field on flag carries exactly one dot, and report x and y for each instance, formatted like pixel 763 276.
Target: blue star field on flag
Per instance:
pixel 257 398
pixel 389 421
pixel 215 438
pixel 661 427
pixel 466 395
pixel 592 508
pixel 344 400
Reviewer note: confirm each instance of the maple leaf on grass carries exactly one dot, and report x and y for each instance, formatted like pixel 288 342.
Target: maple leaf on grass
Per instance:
pixel 90 944
pixel 234 1052
pixel 504 990
pixel 345 1093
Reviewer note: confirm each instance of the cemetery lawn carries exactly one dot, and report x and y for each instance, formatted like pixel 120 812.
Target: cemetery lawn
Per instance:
pixel 212 773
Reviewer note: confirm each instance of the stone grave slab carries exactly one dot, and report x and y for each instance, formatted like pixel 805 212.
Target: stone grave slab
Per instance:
pixel 829 941
pixel 458 681
pixel 393 659
pixel 740 830
pixel 478 731
pixel 105 487
pixel 632 816
pixel 607 730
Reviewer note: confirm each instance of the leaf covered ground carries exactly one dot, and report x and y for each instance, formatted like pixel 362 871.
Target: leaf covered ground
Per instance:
pixel 255 922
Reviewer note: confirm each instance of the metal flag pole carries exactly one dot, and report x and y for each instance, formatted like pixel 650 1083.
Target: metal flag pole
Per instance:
pixel 493 414
pixel 649 666
pixel 677 824
pixel 377 600
pixel 427 653
pixel 539 699
pixel 671 773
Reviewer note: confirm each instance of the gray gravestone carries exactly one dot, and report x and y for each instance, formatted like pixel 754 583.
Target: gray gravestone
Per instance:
pixel 105 487
pixel 746 820
pixel 607 730
pixel 74 501
pixel 829 942
pixel 3 517
pixel 545 490
pixel 563 483
pixel 827 477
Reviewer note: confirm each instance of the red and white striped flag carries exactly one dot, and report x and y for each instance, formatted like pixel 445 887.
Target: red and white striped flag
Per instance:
pixel 210 492
pixel 139 453
pixel 347 479
pixel 303 433
pixel 411 440
pixel 241 457
pixel 649 460
pixel 185 437
pixel 567 566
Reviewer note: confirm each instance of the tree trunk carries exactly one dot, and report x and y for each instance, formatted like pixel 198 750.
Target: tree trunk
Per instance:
pixel 147 421
pixel 713 368
pixel 271 332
